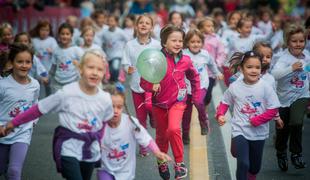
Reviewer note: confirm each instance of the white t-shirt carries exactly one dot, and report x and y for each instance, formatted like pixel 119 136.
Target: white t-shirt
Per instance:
pixel 118 148
pixel 114 42
pixel 291 85
pixel 66 71
pixel 42 50
pixel 16 98
pixel 202 62
pixel 130 57
pixel 79 113
pixel 249 101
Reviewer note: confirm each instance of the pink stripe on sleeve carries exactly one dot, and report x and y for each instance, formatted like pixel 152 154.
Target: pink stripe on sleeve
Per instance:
pixel 264 118
pixel 27 116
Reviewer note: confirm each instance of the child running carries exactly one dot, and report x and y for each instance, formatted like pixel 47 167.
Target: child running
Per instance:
pixel 202 61
pixel 254 104
pixel 121 134
pixel 293 91
pixel 141 99
pixel 169 99
pixel 18 92
pixel 82 108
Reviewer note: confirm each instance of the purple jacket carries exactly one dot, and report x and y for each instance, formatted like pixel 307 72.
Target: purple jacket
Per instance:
pixel 174 81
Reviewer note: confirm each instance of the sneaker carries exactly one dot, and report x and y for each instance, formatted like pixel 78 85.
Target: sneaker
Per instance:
pixel 180 170
pixel 185 139
pixel 282 161
pixel 204 131
pixel 298 161
pixel 163 169
pixel 143 152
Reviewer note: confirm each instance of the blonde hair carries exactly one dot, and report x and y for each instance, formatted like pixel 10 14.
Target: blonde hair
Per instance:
pixel 86 29
pixel 291 30
pixel 97 52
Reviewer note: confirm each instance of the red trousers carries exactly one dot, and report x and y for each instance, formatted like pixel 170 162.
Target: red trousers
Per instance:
pixel 168 129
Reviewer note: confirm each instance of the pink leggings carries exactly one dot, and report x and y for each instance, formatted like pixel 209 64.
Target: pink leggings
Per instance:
pixel 12 157
pixel 168 129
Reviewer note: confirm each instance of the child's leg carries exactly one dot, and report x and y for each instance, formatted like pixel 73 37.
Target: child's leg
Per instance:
pixel 104 175
pixel 4 157
pixel 256 156
pixel 282 135
pixel 187 116
pixel 242 155
pixel 18 152
pixel 174 130
pixel 202 115
pixel 207 98
pixel 70 168
pixel 139 103
pixel 87 169
pixel 161 117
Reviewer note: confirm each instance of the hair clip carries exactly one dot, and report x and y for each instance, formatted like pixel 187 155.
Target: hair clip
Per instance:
pixel 120 87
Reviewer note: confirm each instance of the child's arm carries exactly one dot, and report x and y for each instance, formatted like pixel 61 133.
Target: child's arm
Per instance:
pixel 264 118
pixel 193 76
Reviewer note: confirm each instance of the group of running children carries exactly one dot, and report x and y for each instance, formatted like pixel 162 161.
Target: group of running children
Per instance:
pixel 94 132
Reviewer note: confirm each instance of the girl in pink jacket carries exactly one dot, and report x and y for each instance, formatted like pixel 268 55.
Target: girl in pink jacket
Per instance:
pixel 169 99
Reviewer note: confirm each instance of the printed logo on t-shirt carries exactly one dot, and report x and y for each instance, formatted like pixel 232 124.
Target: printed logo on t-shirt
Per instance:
pixel 118 153
pixel 19 106
pixel 65 66
pixel 88 124
pixel 250 108
pixel 298 80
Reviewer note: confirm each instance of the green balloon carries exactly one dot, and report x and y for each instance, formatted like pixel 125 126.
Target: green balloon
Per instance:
pixel 152 65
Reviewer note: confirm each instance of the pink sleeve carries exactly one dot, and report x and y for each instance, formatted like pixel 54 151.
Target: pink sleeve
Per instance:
pixel 153 146
pixel 221 110
pixel 27 116
pixel 220 54
pixel 147 86
pixel 263 118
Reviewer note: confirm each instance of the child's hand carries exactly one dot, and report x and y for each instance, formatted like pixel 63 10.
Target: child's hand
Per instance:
pixel 2 131
pixel 297 66
pixel 9 128
pixel 131 69
pixel 220 77
pixel 221 120
pixel 156 87
pixel 44 80
pixel 162 156
pixel 279 123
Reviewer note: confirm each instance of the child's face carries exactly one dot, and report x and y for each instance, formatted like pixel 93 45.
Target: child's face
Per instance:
pixel 195 44
pixel 112 22
pixel 100 20
pixel 174 43
pixel 23 39
pixel 7 36
pixel 176 20
pixel 129 23
pixel 65 37
pixel 144 26
pixel 92 71
pixel 88 37
pixel 266 52
pixel 251 70
pixel 118 106
pixel 296 44
pixel 44 32
pixel 22 64
pixel 234 20
pixel 208 27
pixel 246 29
